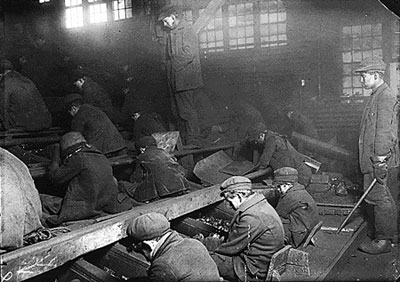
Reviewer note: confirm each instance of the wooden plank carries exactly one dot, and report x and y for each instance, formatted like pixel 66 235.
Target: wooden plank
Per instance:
pixel 33 260
pixel 207 14
pixel 86 272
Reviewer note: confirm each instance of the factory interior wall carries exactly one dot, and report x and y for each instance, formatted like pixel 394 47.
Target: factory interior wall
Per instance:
pixel 306 73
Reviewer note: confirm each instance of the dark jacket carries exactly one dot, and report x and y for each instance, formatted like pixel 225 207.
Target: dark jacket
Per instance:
pixel 255 234
pixel 22 106
pixel 278 153
pixel 92 189
pixel 147 124
pixel 157 175
pixel 298 212
pixel 184 260
pixel 93 94
pixel 97 129
pixel 182 58
pixel 378 132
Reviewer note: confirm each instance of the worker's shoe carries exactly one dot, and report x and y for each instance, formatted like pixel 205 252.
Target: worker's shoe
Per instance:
pixel 376 247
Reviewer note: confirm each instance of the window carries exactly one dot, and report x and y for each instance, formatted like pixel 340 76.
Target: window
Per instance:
pixel 44 1
pixel 241 26
pixel 359 42
pixel 97 12
pixel 122 9
pixel 211 38
pixel 272 23
pixel 73 13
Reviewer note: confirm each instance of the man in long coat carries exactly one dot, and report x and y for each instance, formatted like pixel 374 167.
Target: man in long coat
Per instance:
pixel 379 154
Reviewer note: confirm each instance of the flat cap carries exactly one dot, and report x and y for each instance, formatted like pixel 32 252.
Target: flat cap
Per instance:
pixel 286 174
pixel 235 183
pixel 371 64
pixel 148 226
pixel 70 98
pixel 146 141
pixel 169 10
pixel 254 130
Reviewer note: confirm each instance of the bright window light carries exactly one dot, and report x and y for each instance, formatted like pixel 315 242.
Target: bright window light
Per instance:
pixel 122 9
pixel 70 3
pixel 44 1
pixel 74 17
pixel 98 13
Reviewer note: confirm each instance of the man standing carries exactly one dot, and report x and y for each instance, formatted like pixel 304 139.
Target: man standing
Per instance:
pixel 183 70
pixel 255 234
pixel 95 126
pixel 296 208
pixel 172 258
pixel 379 154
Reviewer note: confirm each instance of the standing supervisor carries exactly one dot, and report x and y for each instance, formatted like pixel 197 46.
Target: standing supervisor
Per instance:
pixel 255 234
pixel 172 258
pixel 379 154
pixel 183 71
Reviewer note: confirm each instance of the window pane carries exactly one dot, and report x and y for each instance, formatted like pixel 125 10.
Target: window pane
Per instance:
pixel 74 17
pixel 98 13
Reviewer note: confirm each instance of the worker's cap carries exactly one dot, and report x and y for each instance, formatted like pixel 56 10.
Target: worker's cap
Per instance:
pixel 254 130
pixel 148 226
pixel 235 183
pixel 146 141
pixel 6 65
pixel 70 98
pixel 286 174
pixel 371 64
pixel 169 10
pixel 70 139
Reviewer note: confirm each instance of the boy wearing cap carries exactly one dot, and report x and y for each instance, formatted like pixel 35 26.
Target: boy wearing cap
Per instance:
pixel 296 208
pixel 379 154
pixel 277 151
pixel 255 234
pixel 94 125
pixel 172 258
pixel 157 173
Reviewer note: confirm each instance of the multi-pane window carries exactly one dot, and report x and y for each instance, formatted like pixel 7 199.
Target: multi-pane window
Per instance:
pixel 211 38
pixel 73 13
pixel 272 23
pixel 122 9
pixel 241 26
pixel 97 12
pixel 359 42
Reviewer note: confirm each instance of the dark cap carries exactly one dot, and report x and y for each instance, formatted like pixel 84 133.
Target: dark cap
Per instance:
pixel 70 98
pixel 148 226
pixel 146 141
pixel 254 130
pixel 235 183
pixel 286 174
pixel 169 10
pixel 371 64
pixel 70 139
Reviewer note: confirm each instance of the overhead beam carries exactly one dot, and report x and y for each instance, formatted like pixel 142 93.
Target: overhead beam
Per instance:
pixel 207 14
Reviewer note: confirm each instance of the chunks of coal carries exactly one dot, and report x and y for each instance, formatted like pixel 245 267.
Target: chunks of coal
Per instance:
pixel 220 224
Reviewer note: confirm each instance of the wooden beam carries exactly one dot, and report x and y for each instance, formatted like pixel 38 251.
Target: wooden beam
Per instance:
pixel 33 260
pixel 207 14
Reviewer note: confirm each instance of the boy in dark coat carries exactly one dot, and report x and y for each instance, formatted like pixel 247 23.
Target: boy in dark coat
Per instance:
pixel 296 208
pixel 255 234
pixel 172 258
pixel 92 189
